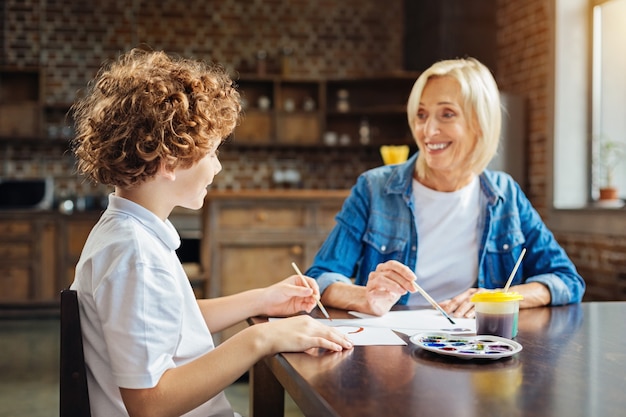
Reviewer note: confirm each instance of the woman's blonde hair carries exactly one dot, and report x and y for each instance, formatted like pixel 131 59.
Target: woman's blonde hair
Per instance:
pixel 481 104
pixel 148 108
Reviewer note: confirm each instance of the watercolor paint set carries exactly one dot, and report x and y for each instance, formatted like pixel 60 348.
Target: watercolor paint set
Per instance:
pixel 467 347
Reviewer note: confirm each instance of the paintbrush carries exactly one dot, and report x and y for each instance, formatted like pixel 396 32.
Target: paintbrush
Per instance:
pixel 432 302
pixel 519 261
pixel 306 284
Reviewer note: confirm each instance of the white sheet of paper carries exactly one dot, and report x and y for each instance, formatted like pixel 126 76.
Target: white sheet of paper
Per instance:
pixel 380 330
pixel 411 322
pixel 368 336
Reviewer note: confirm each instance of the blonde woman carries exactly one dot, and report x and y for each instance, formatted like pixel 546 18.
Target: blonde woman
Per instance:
pixel 442 219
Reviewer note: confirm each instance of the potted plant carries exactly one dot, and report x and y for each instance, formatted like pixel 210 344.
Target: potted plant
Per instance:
pixel 611 153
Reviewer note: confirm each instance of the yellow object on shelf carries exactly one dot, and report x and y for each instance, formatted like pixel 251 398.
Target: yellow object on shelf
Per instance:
pixel 394 154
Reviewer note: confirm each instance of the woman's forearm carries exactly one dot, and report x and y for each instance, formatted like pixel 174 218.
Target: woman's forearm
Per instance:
pixel 346 297
pixel 535 294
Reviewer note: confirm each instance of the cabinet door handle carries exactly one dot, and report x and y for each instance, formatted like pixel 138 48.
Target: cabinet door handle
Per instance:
pixel 296 250
pixel 261 216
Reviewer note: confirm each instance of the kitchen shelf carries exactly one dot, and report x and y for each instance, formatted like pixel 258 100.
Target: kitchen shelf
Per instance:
pixel 33 140
pixel 298 112
pixel 277 112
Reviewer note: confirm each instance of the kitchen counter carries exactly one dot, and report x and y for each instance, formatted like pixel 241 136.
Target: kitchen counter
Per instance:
pixel 297 194
pixel 52 214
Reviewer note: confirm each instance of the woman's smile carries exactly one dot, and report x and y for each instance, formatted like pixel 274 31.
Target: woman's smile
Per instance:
pixel 437 146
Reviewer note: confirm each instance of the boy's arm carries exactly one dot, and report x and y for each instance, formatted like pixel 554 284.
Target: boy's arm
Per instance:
pixel 284 298
pixel 223 312
pixel 186 387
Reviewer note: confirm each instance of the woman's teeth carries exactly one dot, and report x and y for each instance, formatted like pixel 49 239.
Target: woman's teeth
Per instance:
pixel 437 146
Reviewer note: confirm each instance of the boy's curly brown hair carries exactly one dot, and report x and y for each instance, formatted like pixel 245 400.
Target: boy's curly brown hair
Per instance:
pixel 147 108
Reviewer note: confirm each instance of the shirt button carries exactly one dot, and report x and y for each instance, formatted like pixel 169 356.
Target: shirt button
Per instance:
pixel 383 248
pixel 414 248
pixel 505 246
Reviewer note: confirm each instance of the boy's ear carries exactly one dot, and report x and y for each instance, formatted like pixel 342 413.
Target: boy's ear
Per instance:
pixel 167 171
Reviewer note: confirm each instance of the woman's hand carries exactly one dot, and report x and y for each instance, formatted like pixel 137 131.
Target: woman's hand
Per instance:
pixel 535 295
pixel 290 296
pixel 461 306
pixel 386 284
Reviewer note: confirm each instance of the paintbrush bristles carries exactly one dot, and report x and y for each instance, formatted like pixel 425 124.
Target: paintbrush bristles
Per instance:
pixel 432 302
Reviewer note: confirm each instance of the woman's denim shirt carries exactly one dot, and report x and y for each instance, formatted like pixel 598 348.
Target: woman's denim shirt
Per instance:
pixel 376 224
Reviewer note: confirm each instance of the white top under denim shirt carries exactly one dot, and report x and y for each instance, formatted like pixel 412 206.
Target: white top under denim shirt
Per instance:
pixel 446 223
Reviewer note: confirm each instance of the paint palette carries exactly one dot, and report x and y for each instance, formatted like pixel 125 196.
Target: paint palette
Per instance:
pixel 467 347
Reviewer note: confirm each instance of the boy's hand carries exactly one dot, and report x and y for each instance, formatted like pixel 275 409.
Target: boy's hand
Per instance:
pixel 301 334
pixel 290 296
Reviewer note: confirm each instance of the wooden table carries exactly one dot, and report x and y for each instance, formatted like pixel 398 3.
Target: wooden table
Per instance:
pixel 573 363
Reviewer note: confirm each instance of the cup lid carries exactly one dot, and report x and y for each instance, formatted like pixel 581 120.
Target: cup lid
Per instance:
pixel 496 296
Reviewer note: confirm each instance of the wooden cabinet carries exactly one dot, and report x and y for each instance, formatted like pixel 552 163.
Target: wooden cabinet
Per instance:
pixel 370 110
pixel 355 110
pixel 280 111
pixel 285 111
pixel 247 239
pixel 23 114
pixel 20 114
pixel 251 238
pixel 27 258
pixel 38 253
pixel 73 233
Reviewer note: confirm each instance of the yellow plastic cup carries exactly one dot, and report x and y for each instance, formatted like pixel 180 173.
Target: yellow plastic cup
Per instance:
pixel 497 313
pixel 394 154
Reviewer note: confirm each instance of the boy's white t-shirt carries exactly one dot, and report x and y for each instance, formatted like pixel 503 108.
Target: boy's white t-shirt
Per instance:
pixel 139 315
pixel 447 247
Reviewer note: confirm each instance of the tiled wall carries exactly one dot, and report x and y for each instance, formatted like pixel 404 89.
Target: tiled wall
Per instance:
pixel 524 38
pixel 69 39
pixel 524 57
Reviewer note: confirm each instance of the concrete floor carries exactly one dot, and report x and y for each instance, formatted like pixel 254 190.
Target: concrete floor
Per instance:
pixel 29 366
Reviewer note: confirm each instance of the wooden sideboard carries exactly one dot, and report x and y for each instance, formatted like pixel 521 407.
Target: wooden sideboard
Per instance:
pixel 38 253
pixel 250 238
pixel 27 258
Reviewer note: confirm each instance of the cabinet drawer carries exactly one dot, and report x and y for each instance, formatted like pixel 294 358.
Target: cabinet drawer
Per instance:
pixel 11 251
pixel 263 217
pixel 77 233
pixel 14 284
pixel 325 219
pixel 303 128
pixel 15 228
pixel 256 127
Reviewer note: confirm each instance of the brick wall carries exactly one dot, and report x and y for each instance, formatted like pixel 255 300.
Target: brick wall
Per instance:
pixel 524 37
pixel 523 45
pixel 68 39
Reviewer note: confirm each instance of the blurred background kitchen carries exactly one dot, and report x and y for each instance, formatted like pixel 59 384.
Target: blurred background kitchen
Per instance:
pixel 324 86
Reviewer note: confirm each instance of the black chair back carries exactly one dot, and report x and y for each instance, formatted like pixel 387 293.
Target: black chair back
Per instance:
pixel 74 394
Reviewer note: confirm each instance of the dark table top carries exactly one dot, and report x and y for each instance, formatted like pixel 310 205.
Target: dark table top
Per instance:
pixel 573 363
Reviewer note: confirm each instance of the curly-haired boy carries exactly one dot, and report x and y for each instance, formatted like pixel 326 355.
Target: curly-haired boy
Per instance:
pixel 150 125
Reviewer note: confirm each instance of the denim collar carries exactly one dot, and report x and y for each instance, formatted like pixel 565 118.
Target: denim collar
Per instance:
pixel 401 182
